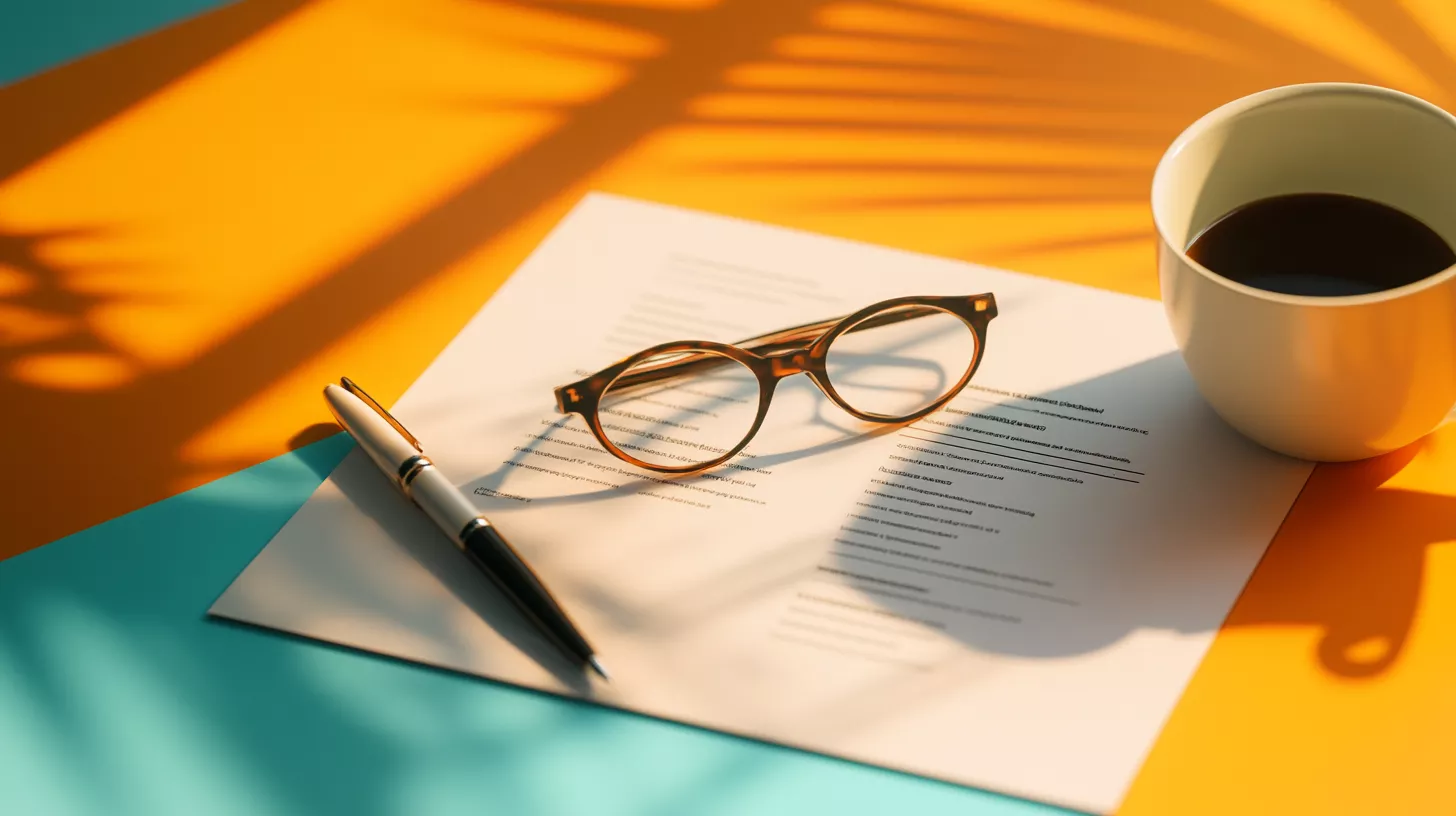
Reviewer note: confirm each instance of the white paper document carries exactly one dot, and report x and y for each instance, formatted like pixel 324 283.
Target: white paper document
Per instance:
pixel 1011 593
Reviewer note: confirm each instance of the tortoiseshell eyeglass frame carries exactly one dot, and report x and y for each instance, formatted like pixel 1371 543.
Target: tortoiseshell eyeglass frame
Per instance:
pixel 772 357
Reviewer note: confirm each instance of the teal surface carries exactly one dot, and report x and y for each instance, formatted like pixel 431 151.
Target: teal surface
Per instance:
pixel 119 696
pixel 39 34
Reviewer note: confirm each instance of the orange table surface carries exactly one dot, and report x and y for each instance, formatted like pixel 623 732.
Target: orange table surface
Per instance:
pixel 201 227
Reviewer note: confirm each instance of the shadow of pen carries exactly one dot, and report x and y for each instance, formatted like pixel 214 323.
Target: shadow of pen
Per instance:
pixel 434 551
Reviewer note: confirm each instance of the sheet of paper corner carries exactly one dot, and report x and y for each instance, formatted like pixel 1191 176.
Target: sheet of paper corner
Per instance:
pixel 463 627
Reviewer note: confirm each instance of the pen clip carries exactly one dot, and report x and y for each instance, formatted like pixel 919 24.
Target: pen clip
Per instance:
pixel 353 388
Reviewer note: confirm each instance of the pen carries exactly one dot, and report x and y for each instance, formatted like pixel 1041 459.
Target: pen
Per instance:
pixel 398 453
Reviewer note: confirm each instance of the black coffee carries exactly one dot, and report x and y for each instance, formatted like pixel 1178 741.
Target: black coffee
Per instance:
pixel 1321 244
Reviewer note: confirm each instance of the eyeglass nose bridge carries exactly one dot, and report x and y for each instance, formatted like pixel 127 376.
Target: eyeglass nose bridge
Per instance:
pixel 788 363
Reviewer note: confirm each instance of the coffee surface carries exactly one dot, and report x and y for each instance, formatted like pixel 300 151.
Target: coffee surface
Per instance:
pixel 1323 244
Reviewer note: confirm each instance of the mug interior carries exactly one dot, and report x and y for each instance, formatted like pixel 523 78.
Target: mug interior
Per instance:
pixel 1359 140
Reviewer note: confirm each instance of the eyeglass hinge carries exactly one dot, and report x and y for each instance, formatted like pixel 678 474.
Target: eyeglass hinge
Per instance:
pixel 567 398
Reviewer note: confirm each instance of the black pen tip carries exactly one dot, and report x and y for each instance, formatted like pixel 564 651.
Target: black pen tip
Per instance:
pixel 598 668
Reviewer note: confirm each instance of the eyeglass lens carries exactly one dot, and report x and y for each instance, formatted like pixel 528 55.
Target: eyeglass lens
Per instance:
pixel 699 414
pixel 897 369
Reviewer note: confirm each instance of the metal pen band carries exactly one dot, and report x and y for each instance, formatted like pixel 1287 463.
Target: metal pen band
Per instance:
pixel 411 468
pixel 471 526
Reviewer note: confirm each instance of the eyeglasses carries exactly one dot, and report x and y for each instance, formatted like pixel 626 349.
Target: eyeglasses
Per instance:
pixel 688 406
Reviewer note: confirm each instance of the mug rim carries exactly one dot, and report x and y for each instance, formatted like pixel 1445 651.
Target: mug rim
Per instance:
pixel 1269 96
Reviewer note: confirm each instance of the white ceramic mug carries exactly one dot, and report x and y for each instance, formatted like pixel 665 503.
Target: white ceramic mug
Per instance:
pixel 1322 378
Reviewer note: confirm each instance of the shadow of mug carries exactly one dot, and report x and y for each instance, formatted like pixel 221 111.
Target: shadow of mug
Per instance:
pixel 1350 561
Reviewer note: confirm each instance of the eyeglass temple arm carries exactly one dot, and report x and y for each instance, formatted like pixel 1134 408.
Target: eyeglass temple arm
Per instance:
pixel 781 340
pixel 809 331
